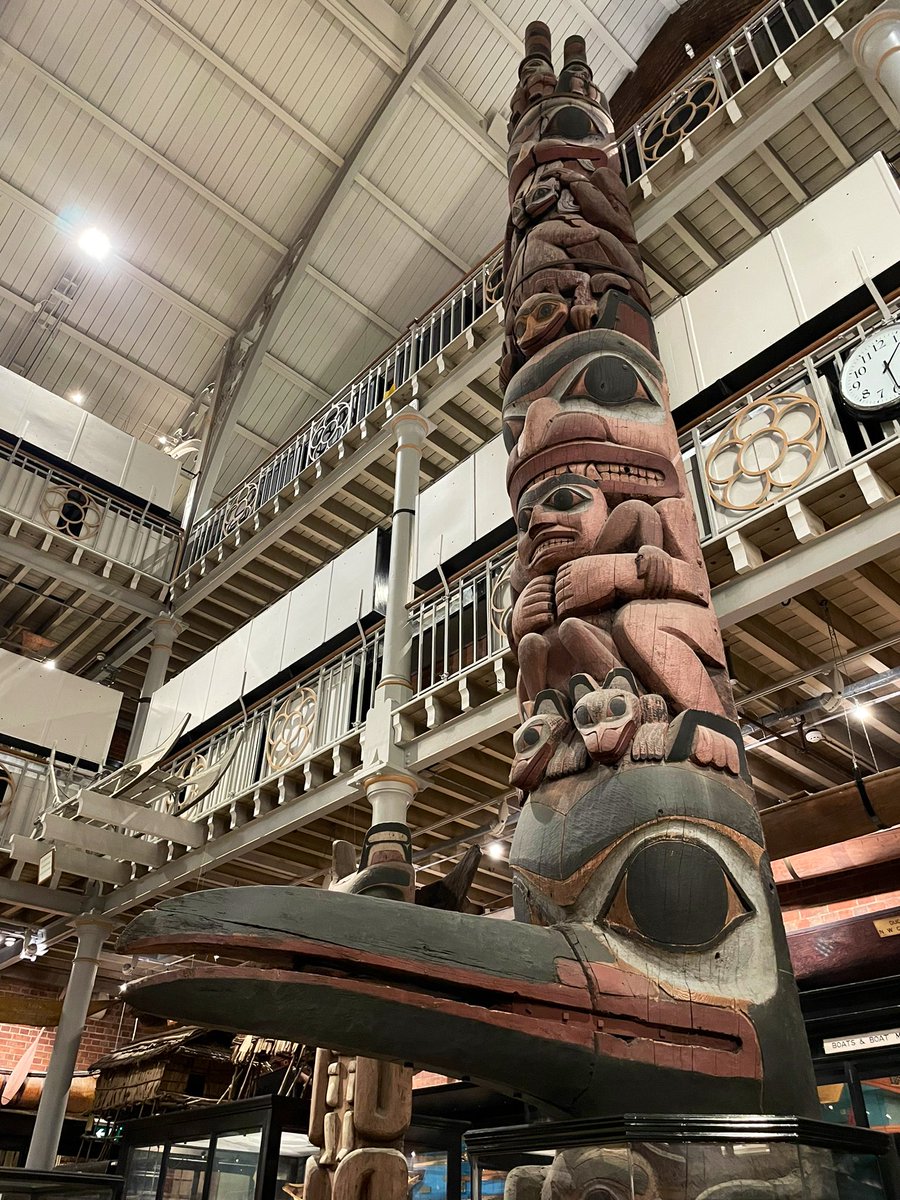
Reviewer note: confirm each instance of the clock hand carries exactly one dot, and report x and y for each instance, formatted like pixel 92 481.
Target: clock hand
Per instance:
pixel 893 352
pixel 887 367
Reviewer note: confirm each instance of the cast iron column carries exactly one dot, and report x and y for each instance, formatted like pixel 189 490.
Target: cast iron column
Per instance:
pixel 52 1108
pixel 166 629
pixel 389 787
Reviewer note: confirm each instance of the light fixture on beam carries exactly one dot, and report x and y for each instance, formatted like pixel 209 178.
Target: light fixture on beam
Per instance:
pixel 95 244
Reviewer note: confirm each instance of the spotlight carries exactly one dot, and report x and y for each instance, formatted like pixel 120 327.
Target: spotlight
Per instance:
pixel 50 664
pixel 162 439
pixel 95 244
pixel 861 713
pixel 76 397
pixel 496 850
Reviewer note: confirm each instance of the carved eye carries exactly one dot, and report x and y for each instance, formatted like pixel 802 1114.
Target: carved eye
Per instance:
pixel 523 519
pixel 564 499
pixel 546 311
pixel 521 326
pixel 618 707
pixel 676 893
pixel 607 380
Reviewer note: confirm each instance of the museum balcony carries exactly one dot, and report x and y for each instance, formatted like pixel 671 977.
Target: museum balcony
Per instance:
pixel 758 129
pixel 87 544
pixel 804 557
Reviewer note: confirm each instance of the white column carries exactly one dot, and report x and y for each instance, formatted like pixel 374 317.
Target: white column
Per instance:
pixel 389 786
pixel 390 796
pixel 52 1107
pixel 166 629
pixel 875 48
pixel 411 429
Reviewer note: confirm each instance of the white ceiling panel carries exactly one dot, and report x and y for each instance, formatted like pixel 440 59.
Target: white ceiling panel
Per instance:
pixel 202 137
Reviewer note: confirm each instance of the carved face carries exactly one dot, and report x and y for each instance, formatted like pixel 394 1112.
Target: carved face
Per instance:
pixel 539 320
pixel 607 720
pixel 559 520
pixel 595 397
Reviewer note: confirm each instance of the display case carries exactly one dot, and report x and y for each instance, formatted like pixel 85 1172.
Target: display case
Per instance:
pixel 247 1150
pixel 20 1183
pixel 685 1158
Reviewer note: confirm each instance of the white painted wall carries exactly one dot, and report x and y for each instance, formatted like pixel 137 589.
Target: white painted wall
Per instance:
pixel 62 428
pixel 797 271
pixel 53 708
pixel 319 608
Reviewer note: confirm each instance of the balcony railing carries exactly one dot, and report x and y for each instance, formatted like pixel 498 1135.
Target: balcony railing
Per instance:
pixel 787 437
pixel 459 626
pixel 455 628
pixel 717 80
pixel 85 515
pixel 456 313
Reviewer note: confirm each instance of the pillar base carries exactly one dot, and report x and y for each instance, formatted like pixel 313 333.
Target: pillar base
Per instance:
pixel 692 1158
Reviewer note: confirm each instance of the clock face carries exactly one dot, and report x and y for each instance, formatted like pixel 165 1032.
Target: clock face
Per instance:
pixel 870 379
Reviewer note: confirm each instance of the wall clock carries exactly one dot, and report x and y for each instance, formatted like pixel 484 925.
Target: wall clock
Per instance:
pixel 870 378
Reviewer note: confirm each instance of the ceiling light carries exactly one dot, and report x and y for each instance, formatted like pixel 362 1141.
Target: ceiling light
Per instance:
pixel 9 940
pixel 162 439
pixel 860 712
pixel 76 397
pixel 95 244
pixel 496 850
pixel 50 664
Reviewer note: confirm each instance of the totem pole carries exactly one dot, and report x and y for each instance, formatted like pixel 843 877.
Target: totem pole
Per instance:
pixel 647 971
pixel 639 823
pixel 360 1108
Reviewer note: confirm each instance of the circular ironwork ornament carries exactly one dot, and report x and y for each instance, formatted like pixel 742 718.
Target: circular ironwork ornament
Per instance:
pixel 765 451
pixel 291 729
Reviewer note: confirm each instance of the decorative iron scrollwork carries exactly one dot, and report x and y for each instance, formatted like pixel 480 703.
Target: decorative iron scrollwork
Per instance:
pixel 765 451
pixel 241 506
pixel 72 511
pixel 291 729
pixel 680 117
pixel 501 598
pixel 189 770
pixel 328 431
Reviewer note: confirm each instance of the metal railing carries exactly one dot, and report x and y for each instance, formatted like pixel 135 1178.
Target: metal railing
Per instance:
pixel 787 436
pixel 455 629
pixel 356 402
pixel 460 625
pixel 717 79
pixel 25 791
pixel 48 498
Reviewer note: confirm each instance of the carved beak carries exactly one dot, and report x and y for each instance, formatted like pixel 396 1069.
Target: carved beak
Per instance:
pixel 514 1006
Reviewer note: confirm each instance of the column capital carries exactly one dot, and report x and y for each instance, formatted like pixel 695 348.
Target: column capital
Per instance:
pixel 410 427
pixel 875 40
pixel 92 931
pixel 166 628
pixel 379 780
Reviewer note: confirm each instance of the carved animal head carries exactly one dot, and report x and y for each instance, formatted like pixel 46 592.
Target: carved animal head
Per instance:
pixel 539 320
pixel 536 741
pixel 606 717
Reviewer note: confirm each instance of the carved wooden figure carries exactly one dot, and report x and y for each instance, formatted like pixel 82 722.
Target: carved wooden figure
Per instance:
pixel 360 1108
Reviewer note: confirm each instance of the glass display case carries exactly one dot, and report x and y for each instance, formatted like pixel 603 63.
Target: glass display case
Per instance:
pixel 247 1150
pixel 20 1183
pixel 685 1158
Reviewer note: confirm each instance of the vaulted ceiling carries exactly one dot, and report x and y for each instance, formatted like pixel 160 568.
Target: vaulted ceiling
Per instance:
pixel 202 136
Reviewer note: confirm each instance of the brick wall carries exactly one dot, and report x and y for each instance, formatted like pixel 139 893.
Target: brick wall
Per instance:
pixel 100 1035
pixel 796 919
